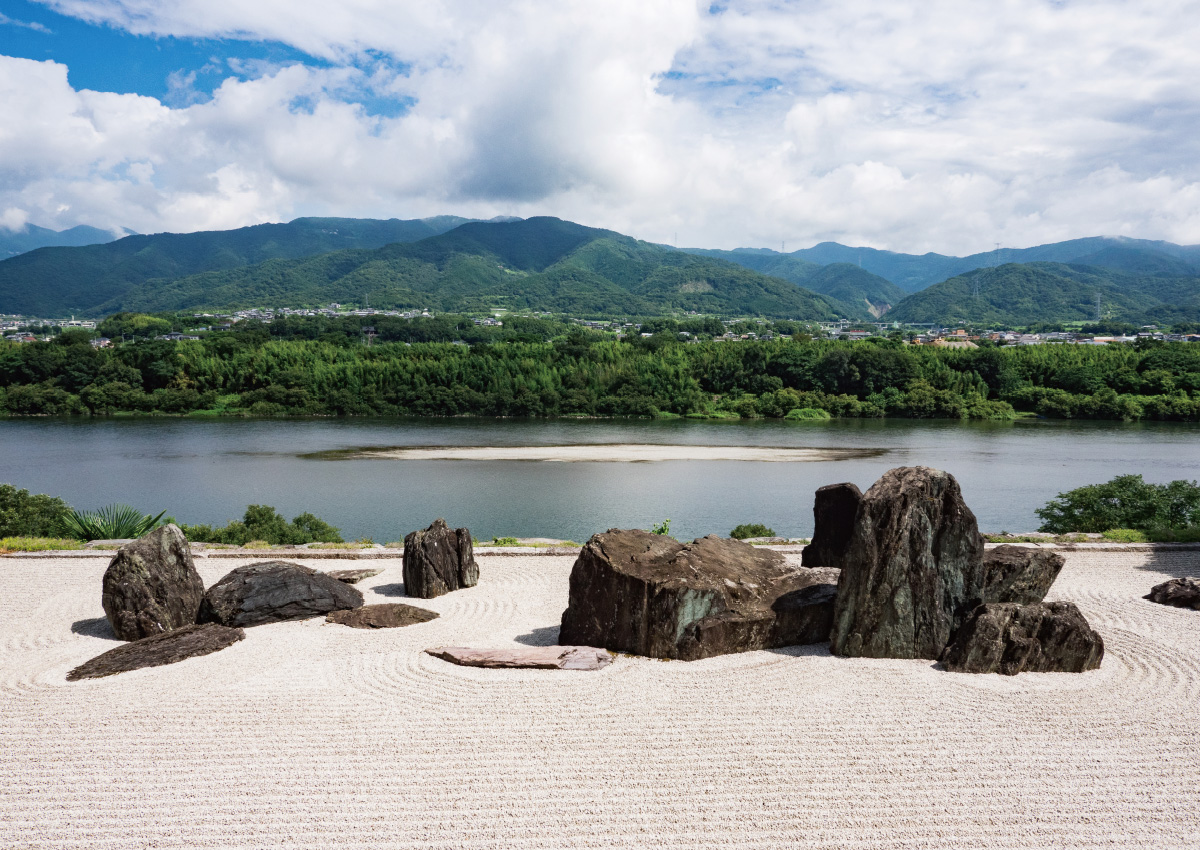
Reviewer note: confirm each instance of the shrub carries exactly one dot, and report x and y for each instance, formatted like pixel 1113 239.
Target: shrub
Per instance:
pixel 1125 502
pixel 37 544
pixel 1125 535
pixel 751 529
pixel 505 541
pixel 23 515
pixel 111 522
pixel 807 414
pixel 663 528
pixel 262 523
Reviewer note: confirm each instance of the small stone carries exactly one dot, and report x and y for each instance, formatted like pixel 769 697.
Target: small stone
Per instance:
pixel 273 591
pixel 1047 637
pixel 1178 592
pixel 1019 574
pixel 533 657
pixel 353 576
pixel 439 560
pixel 834 509
pixel 157 650
pixel 151 585
pixel 388 615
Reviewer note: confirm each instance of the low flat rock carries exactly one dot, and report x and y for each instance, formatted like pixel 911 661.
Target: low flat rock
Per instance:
pixel 389 615
pixel 274 591
pixel 157 650
pixel 1019 574
pixel 352 576
pixel 1049 637
pixel 1178 592
pixel 532 657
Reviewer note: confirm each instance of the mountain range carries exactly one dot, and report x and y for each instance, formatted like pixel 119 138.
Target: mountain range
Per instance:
pixel 449 263
pixel 31 237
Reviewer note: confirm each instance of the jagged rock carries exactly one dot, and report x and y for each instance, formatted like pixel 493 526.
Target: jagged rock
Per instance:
pixel 1046 637
pixel 1179 592
pixel 834 509
pixel 642 593
pixel 1019 574
pixel 157 650
pixel 913 570
pixel 272 591
pixel 438 560
pixel 536 657
pixel 353 576
pixel 389 615
pixel 151 585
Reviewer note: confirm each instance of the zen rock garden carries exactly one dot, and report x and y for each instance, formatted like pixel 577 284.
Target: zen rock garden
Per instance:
pixel 900 571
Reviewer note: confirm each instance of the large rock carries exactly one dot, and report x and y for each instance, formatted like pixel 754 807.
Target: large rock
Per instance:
pixel 272 591
pixel 438 560
pixel 1019 574
pixel 1179 592
pixel 151 585
pixel 387 615
pixel 834 509
pixel 646 594
pixel 1047 637
pixel 913 570
pixel 157 650
pixel 534 657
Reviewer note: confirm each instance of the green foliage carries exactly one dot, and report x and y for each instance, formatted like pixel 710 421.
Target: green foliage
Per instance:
pixel 505 541
pixel 751 529
pixel 807 414
pixel 1125 502
pixel 263 523
pixel 38 544
pixel 1125 535
pixel 25 515
pixel 663 528
pixel 112 522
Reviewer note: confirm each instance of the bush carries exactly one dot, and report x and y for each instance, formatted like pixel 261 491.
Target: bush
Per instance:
pixel 1125 502
pixel 112 522
pixel 262 523
pixel 23 515
pixel 1125 535
pixel 37 544
pixel 807 414
pixel 662 528
pixel 751 529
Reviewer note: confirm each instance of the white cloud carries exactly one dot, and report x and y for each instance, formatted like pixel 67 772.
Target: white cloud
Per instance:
pixel 932 126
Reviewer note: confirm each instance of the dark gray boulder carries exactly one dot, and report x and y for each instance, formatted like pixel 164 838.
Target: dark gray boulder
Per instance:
pixel 1046 637
pixel 913 570
pixel 804 616
pixel 273 591
pixel 1178 592
pixel 647 594
pixel 151 585
pixel 387 615
pixel 1019 574
pixel 438 560
pixel 157 650
pixel 834 509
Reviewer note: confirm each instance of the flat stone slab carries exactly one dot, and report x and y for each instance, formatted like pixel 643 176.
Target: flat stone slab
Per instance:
pixel 158 650
pixel 532 657
pixel 389 615
pixel 352 576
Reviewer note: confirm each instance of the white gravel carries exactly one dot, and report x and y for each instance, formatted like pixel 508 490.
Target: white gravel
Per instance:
pixel 320 736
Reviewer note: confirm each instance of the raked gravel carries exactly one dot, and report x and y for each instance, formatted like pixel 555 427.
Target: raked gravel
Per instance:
pixel 315 735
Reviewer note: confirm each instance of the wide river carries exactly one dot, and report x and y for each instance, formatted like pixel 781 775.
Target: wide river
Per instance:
pixel 566 478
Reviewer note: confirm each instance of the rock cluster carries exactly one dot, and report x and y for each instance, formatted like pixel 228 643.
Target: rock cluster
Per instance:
pixel 647 594
pixel 151 585
pixel 438 560
pixel 272 591
pixel 1179 592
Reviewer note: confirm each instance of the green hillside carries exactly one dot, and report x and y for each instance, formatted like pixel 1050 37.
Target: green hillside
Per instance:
pixel 61 280
pixel 1021 294
pixel 540 263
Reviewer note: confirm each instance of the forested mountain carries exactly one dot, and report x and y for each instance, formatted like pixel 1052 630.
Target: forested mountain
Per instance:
pixel 58 281
pixel 539 263
pixel 31 237
pixel 1017 294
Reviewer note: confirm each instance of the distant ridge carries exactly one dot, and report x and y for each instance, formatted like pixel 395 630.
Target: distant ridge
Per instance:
pixel 31 237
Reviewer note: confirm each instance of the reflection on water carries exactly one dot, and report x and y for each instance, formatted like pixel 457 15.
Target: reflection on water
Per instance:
pixel 208 471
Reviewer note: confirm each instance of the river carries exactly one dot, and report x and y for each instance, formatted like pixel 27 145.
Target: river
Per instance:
pixel 384 478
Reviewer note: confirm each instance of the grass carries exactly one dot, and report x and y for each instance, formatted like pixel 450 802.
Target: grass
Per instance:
pixel 37 544
pixel 365 543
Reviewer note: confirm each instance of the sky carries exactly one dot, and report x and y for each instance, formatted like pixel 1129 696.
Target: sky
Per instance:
pixel 938 125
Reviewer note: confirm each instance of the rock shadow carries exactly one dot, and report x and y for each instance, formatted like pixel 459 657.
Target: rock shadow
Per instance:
pixel 96 627
pixel 805 650
pixel 396 588
pixel 545 636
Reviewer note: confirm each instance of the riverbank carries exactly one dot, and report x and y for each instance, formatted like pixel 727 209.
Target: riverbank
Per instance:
pixel 308 734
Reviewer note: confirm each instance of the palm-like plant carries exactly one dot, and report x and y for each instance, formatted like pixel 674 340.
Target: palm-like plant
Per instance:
pixel 112 522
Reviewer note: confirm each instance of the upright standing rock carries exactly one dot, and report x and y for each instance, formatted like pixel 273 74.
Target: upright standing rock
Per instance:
pixel 151 585
pixel 834 510
pixel 913 570
pixel 438 560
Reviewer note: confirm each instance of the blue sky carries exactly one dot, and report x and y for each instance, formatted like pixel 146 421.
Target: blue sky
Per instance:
pixel 912 126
